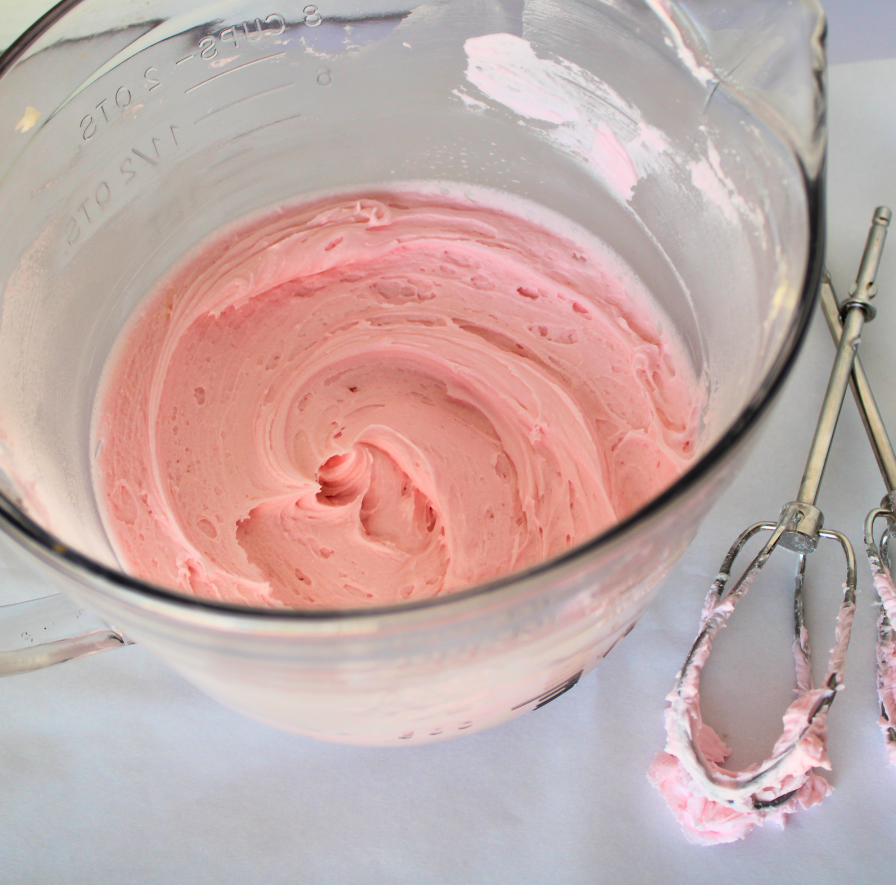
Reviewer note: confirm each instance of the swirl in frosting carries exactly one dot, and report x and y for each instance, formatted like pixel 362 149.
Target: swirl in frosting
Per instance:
pixel 381 397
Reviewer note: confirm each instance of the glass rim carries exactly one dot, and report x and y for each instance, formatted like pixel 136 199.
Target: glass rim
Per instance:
pixel 11 515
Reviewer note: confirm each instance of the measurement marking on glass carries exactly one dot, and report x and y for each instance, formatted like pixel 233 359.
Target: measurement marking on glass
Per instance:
pixel 185 58
pixel 266 125
pixel 143 156
pixel 231 157
pixel 552 693
pixel 232 70
pixel 101 195
pixel 245 98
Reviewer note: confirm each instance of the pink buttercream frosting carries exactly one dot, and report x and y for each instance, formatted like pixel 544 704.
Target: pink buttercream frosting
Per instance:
pixel 715 805
pixel 380 397
pixel 886 648
pixel 706 820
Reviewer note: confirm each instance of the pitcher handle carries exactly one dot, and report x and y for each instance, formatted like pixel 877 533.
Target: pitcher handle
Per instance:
pixel 51 630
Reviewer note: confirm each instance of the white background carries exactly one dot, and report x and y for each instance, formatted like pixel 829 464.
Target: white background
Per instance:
pixel 112 769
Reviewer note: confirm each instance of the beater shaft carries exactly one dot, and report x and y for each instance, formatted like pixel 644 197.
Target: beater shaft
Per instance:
pixel 868 408
pixel 806 518
pixel 856 309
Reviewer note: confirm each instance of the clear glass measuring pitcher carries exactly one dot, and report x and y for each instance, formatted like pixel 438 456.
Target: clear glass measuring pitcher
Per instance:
pixel 133 131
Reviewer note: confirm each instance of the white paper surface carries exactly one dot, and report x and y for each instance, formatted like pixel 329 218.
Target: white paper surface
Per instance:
pixel 113 769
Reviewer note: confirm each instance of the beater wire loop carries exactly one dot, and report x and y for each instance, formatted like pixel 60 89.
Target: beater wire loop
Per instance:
pixel 744 789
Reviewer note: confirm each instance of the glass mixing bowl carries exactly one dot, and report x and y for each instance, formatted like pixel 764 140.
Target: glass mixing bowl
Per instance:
pixel 134 131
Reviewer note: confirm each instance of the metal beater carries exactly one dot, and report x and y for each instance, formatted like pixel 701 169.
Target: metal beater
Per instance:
pixel 878 554
pixel 773 787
